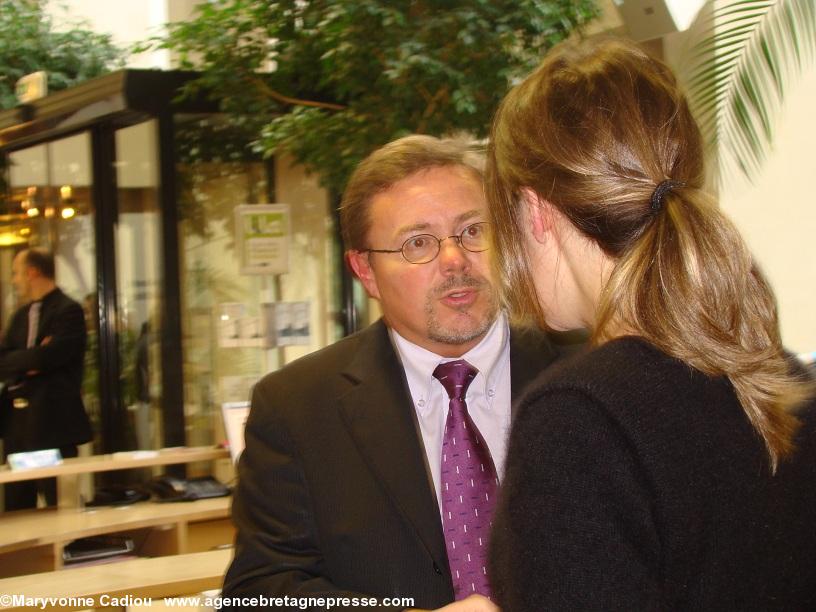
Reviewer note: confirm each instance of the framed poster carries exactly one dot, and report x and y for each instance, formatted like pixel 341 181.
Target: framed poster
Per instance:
pixel 262 237
pixel 287 323
pixel 236 328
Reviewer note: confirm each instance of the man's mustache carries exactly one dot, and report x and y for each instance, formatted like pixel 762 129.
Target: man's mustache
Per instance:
pixel 462 281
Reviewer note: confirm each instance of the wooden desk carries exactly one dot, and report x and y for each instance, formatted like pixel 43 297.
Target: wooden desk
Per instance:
pixel 154 578
pixel 33 540
pixel 68 472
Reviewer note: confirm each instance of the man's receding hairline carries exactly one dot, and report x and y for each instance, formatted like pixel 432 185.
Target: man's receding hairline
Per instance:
pixel 367 204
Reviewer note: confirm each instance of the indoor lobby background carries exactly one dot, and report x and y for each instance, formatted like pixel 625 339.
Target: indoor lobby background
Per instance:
pixel 221 309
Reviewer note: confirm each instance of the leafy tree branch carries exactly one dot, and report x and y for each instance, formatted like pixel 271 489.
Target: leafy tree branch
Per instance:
pixel 327 81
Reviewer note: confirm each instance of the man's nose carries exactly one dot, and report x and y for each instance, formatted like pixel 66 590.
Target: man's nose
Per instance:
pixel 452 255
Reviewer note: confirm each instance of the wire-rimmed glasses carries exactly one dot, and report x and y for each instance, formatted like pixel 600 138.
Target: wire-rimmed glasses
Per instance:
pixel 424 248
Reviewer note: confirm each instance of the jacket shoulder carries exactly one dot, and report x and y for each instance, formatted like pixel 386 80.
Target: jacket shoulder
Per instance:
pixel 312 370
pixel 64 301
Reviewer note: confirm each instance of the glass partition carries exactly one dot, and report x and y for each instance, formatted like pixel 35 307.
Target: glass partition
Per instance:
pixel 237 326
pixel 137 238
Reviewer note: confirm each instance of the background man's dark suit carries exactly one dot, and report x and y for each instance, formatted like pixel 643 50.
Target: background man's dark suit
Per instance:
pixel 334 496
pixel 49 377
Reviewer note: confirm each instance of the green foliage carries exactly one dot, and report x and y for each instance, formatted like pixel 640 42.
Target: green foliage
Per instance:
pixel 330 80
pixel 29 42
pixel 746 55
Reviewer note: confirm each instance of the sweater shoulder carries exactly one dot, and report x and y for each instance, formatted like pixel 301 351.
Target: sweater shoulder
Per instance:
pixel 640 389
pixel 620 367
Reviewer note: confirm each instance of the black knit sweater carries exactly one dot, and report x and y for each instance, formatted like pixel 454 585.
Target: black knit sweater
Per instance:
pixel 634 482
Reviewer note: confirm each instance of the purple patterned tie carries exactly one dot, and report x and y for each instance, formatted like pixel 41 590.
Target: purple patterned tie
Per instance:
pixel 469 485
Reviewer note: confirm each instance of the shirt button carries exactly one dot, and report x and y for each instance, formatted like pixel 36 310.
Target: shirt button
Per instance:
pixel 421 403
pixel 490 393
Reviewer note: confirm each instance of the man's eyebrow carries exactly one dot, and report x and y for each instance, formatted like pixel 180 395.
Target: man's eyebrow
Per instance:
pixel 468 215
pixel 412 229
pixel 424 228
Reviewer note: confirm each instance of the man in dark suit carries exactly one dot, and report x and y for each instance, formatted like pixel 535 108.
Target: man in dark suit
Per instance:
pixel 41 364
pixel 343 487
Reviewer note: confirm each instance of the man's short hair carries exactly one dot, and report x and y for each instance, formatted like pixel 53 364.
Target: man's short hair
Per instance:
pixel 41 260
pixel 390 164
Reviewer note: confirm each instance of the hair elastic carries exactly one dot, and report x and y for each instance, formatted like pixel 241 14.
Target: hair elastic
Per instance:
pixel 661 190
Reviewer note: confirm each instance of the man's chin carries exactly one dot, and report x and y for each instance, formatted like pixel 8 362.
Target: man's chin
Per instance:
pixel 456 332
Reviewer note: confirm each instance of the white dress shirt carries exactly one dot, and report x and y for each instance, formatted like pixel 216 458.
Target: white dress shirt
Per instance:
pixel 488 396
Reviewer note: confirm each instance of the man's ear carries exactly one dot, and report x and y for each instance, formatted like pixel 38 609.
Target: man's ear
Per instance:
pixel 539 213
pixel 361 267
pixel 31 272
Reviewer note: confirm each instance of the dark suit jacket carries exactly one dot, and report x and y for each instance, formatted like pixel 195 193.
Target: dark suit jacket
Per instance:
pixel 333 496
pixel 55 415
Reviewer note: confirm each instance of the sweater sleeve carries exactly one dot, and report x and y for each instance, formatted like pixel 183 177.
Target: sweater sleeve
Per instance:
pixel 574 529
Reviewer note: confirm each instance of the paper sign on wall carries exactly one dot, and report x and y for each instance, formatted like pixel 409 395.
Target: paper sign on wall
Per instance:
pixel 262 235
pixel 288 323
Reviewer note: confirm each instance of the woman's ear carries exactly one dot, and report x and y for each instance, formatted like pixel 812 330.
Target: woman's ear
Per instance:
pixel 539 213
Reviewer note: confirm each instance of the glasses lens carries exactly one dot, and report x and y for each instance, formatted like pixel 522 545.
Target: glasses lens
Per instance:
pixel 421 248
pixel 476 237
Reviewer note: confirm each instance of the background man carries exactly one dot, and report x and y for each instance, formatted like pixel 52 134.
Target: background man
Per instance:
pixel 41 364
pixel 354 482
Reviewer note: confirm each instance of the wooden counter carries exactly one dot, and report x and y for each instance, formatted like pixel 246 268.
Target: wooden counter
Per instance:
pixel 33 540
pixel 68 472
pixel 138 578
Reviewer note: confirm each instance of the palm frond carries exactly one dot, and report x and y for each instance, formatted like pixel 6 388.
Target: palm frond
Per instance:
pixel 745 55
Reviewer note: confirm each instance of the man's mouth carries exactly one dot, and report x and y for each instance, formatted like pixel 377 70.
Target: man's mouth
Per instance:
pixel 460 292
pixel 459 284
pixel 460 299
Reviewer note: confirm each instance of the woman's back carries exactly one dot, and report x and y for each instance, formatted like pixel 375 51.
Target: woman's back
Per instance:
pixel 636 482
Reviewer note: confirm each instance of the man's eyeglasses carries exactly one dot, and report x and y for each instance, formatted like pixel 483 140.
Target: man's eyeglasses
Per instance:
pixel 423 248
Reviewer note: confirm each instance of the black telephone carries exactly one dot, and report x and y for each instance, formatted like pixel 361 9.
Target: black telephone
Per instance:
pixel 167 488
pixel 118 495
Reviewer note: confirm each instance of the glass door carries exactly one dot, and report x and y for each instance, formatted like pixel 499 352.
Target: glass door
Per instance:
pixel 50 205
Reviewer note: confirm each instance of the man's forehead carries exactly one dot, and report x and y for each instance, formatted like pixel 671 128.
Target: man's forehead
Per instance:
pixel 441 177
pixel 451 194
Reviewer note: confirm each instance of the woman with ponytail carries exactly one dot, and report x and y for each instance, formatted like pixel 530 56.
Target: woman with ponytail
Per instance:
pixel 673 465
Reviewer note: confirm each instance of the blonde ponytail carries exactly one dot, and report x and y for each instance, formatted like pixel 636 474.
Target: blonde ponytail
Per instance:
pixel 690 287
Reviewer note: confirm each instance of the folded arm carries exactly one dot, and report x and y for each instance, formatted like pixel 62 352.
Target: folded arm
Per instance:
pixel 65 345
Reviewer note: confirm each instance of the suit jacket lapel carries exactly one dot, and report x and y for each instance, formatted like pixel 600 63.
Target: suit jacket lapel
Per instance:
pixel 378 412
pixel 46 313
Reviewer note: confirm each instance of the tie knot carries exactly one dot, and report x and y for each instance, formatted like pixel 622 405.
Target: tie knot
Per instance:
pixel 456 377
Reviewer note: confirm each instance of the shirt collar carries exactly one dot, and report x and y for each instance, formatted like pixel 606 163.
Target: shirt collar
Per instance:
pixel 419 363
